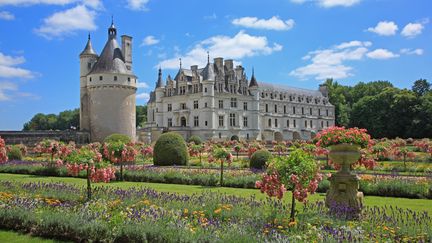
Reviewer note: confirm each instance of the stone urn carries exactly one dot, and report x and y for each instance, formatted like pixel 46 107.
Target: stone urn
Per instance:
pixel 343 196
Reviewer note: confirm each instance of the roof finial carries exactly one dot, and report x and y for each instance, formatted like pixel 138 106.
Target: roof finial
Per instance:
pixel 112 19
pixel 208 57
pixel 180 63
pixel 89 36
pixel 253 71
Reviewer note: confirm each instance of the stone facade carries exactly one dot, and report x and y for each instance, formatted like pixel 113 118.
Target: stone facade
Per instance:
pixel 219 102
pixel 108 88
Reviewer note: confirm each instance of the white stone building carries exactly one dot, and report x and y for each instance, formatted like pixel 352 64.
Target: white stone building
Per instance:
pixel 107 88
pixel 218 102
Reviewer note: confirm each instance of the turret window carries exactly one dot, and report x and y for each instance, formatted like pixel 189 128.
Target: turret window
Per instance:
pixel 128 79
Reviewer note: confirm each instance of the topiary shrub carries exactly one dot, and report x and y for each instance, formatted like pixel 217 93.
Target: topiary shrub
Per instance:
pixel 235 138
pixel 116 137
pixel 170 149
pixel 14 153
pixel 197 140
pixel 259 159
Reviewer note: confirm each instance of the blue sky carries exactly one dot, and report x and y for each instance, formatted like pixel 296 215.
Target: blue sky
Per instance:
pixel 293 42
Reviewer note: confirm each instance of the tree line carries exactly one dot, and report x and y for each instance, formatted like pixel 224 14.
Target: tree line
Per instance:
pixel 384 110
pixel 69 120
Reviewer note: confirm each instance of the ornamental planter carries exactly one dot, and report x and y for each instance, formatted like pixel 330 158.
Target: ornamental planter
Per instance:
pixel 343 197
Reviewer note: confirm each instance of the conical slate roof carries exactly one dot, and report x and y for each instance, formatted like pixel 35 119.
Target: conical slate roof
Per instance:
pixel 253 81
pixel 88 49
pixel 208 72
pixel 111 59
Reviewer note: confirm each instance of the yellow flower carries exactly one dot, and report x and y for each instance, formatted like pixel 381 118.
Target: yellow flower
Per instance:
pixel 280 227
pixel 292 224
pixel 185 211
pixel 217 211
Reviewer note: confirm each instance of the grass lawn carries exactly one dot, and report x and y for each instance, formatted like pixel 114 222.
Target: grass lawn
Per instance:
pixel 13 237
pixel 413 204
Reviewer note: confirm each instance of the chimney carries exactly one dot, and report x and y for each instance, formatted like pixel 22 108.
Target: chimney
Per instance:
pixel 219 62
pixel 323 89
pixel 127 50
pixel 229 64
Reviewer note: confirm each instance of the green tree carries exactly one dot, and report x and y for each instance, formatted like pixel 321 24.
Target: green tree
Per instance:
pixel 141 115
pixel 421 87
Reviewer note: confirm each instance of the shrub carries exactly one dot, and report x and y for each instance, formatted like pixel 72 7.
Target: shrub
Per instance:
pixel 259 159
pixel 115 137
pixel 197 140
pixel 14 153
pixel 235 138
pixel 170 149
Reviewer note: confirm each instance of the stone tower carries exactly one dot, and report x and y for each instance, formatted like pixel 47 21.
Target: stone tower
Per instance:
pixel 108 88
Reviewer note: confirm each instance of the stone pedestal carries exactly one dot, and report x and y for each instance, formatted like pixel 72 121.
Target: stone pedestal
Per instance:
pixel 343 197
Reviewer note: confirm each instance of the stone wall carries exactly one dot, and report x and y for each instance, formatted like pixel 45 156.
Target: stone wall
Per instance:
pixel 32 137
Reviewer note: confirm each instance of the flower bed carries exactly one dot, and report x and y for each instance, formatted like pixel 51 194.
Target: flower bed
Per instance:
pixel 57 210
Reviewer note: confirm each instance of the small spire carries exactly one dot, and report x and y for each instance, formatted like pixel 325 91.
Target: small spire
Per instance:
pixel 180 63
pixel 89 36
pixel 112 19
pixel 159 81
pixel 208 57
pixel 253 81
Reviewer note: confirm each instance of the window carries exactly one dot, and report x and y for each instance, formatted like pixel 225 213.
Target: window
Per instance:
pixel 196 121
pixel 220 135
pixel 310 111
pixel 195 104
pixel 90 79
pixel 169 107
pixel 266 110
pixel 233 102
pixel 100 78
pixel 305 123
pixel 319 112
pixel 322 124
pixel 287 123
pixel 205 105
pixel 205 90
pixel 232 120
pixel 247 135
pixel 245 121
pixel 183 90
pixel 295 123
pixel 220 104
pixel 275 110
pixel 310 123
pixel 169 122
pixel 302 110
pixel 276 123
pixel 221 121
pixel 327 124
pixel 89 65
pixel 327 113
pixel 183 106
pixel 269 123
pixel 284 109
pixel 205 123
pixel 245 106
pixel 293 110
pixel 128 79
pixel 115 78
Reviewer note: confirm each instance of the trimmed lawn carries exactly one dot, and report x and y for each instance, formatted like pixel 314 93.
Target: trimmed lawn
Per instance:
pixel 13 237
pixel 413 204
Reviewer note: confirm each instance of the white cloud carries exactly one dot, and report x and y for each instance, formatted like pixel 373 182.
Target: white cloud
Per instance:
pixel 239 46
pixel 67 22
pixel 149 40
pixel 274 23
pixel 138 5
pixel 385 28
pixel 411 30
pixel 144 96
pixel 381 54
pixel 330 3
pixel 4 87
pixel 408 51
pixel 142 85
pixel 330 63
pixel 9 69
pixel 211 17
pixel 6 15
pixel 90 3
